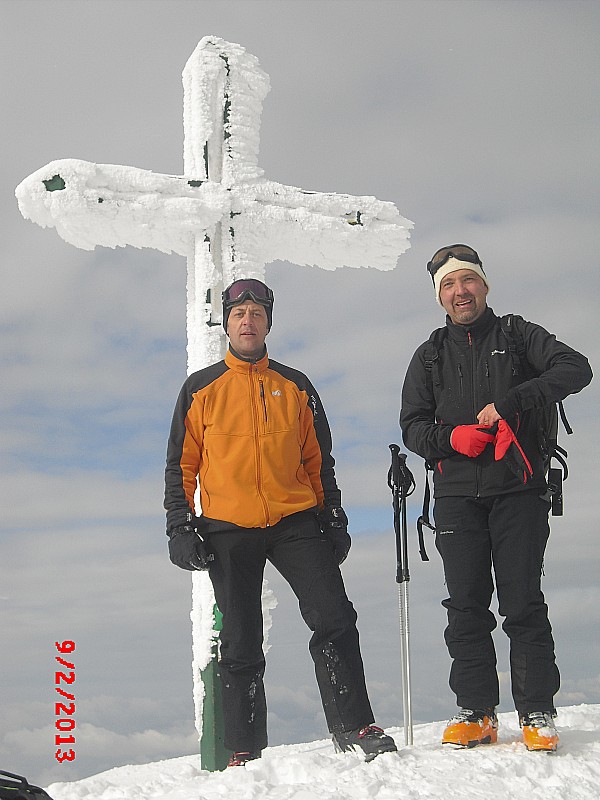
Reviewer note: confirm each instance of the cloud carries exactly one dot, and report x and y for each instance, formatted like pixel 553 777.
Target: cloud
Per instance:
pixel 98 749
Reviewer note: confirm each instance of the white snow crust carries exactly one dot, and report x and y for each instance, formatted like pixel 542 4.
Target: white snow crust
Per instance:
pixel 114 206
pixel 424 771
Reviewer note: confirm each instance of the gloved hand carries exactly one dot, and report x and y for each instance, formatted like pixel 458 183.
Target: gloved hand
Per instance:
pixel 508 448
pixel 334 525
pixel 471 440
pixel 187 550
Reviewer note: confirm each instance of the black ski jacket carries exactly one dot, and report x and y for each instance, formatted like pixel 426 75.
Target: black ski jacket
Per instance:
pixel 475 368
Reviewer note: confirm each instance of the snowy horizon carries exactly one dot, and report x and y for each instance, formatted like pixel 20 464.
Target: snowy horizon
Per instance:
pixel 425 770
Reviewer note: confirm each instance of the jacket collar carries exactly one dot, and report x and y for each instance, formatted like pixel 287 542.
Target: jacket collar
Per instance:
pixel 240 364
pixel 479 328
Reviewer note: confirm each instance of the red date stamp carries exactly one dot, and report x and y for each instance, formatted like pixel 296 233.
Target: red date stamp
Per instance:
pixel 65 708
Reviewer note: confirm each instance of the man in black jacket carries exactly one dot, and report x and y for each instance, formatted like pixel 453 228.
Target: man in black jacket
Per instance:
pixel 475 417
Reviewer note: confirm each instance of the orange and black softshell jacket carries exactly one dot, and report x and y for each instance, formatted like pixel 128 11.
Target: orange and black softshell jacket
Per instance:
pixel 255 437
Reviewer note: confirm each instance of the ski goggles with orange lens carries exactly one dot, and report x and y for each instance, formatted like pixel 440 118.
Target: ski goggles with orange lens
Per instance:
pixel 462 252
pixel 247 289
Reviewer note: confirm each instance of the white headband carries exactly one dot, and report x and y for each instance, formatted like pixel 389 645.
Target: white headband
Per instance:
pixel 451 266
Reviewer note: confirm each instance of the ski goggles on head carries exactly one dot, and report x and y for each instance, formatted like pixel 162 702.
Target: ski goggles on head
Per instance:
pixel 461 252
pixel 247 289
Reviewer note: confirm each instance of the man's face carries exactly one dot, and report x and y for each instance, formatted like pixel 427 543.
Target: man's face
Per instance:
pixel 247 328
pixel 463 293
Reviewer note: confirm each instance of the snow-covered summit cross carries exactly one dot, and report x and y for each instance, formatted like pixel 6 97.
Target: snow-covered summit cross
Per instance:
pixel 222 214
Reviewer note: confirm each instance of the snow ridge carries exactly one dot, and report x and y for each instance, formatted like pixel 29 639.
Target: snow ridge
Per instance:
pixel 504 771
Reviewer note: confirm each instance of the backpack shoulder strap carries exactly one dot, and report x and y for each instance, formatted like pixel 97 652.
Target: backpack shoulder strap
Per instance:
pixel 431 356
pixel 423 520
pixel 516 344
pixel 433 383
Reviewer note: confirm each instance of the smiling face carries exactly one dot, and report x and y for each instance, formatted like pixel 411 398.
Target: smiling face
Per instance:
pixel 247 328
pixel 463 294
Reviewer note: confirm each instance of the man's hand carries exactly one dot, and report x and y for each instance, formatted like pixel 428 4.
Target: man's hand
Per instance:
pixel 470 440
pixel 187 550
pixel 334 525
pixel 488 415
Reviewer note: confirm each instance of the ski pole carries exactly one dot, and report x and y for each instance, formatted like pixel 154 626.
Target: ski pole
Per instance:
pixel 402 484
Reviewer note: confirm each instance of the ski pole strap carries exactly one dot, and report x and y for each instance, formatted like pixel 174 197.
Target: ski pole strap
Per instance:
pixel 400 478
pixel 394 471
pixel 394 484
pixel 424 518
pixel 402 484
pixel 407 482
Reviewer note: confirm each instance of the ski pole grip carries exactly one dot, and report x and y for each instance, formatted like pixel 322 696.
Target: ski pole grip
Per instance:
pixel 395 470
pixel 401 478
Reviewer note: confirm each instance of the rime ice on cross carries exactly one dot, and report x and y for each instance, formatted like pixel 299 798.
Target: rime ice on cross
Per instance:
pixel 222 214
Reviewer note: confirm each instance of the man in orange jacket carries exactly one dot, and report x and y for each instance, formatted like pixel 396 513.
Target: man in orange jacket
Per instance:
pixel 252 433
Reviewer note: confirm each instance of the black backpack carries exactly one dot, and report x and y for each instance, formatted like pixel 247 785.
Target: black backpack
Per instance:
pixel 547 417
pixel 15 787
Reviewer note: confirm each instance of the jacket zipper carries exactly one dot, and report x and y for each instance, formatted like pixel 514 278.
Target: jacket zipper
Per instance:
pixel 255 424
pixel 473 383
pixel 262 397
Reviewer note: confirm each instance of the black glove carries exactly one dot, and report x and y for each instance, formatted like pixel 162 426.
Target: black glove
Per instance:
pixel 187 550
pixel 334 525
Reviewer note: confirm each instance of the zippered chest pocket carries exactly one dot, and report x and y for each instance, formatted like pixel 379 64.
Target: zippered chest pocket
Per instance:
pixel 279 406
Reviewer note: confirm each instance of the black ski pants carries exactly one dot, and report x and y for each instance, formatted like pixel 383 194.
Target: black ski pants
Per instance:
pixel 304 557
pixel 509 534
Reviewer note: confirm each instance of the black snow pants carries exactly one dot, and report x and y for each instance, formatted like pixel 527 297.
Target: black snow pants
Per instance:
pixel 509 533
pixel 304 557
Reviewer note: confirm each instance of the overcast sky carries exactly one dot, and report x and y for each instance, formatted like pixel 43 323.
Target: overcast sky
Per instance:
pixel 479 119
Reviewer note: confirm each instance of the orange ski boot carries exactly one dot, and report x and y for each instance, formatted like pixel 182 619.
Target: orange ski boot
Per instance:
pixel 469 728
pixel 539 731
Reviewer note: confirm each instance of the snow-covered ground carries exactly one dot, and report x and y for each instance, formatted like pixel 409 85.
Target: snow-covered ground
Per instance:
pixel 425 771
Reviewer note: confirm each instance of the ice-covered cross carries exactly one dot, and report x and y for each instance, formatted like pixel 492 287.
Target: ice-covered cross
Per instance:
pixel 222 214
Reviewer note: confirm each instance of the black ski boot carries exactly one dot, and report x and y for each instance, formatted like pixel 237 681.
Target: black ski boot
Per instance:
pixel 370 739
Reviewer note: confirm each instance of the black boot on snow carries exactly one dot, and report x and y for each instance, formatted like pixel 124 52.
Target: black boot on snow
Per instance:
pixel 370 739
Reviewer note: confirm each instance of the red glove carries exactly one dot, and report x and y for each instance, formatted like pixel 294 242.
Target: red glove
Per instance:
pixel 471 440
pixel 508 448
